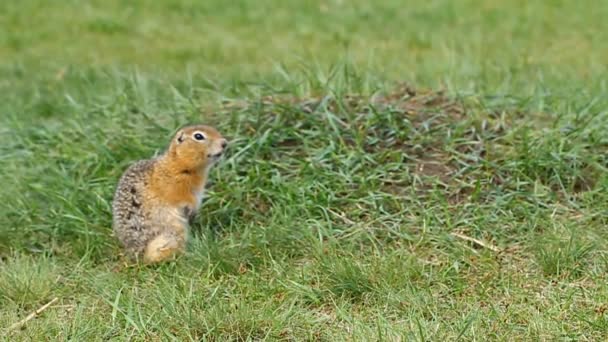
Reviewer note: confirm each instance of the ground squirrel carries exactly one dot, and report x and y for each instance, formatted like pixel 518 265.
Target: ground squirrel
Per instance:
pixel 156 198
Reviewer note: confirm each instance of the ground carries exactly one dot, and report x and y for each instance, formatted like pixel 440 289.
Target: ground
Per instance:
pixel 426 171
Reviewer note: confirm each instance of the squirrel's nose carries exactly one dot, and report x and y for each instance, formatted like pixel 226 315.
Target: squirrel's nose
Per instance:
pixel 224 143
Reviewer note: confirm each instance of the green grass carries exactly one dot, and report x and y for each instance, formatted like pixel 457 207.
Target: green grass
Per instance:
pixel 340 210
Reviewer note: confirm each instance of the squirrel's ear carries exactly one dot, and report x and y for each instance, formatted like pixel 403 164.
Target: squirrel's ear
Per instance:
pixel 180 137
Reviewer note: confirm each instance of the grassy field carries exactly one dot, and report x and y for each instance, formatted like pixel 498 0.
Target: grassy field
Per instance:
pixel 421 170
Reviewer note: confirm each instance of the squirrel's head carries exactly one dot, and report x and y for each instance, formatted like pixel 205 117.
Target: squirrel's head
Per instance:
pixel 198 145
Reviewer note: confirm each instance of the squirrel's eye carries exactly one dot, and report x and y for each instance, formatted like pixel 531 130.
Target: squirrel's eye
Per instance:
pixel 199 136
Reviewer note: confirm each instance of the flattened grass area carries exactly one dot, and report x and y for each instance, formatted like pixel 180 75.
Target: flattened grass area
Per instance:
pixel 426 171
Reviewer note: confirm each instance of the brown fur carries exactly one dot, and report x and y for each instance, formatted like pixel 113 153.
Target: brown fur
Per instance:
pixel 155 198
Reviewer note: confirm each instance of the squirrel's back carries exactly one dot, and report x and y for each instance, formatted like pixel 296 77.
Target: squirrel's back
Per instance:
pixel 130 214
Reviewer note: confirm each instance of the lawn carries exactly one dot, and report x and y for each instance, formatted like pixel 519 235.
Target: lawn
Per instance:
pixel 421 170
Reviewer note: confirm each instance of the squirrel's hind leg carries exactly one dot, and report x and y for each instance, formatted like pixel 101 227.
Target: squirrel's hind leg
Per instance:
pixel 162 248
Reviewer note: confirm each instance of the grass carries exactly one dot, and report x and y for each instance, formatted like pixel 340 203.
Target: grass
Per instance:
pixel 340 210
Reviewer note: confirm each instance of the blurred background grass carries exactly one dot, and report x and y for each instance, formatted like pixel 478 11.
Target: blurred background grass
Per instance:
pixel 512 46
